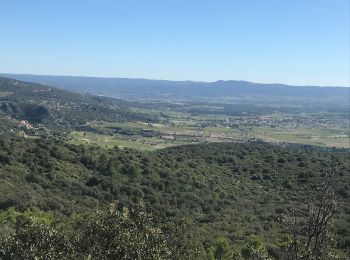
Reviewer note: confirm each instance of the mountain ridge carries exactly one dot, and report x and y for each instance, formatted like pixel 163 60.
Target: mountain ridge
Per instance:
pixel 13 75
pixel 229 92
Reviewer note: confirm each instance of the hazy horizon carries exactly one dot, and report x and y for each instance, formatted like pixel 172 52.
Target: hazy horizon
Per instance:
pixel 160 79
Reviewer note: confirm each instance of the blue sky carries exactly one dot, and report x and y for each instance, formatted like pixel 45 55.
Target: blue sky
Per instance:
pixel 302 42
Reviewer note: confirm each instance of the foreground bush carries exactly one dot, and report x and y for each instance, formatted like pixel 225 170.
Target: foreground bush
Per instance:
pixel 104 235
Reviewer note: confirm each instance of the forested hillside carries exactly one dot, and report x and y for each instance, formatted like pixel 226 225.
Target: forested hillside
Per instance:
pixel 54 108
pixel 235 191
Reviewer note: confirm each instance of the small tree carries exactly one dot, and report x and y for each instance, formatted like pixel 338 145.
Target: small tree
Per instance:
pixel 120 235
pixel 182 240
pixel 255 249
pixel 221 250
pixel 312 238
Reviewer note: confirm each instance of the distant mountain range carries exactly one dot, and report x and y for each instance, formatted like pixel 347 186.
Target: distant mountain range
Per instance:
pixel 227 91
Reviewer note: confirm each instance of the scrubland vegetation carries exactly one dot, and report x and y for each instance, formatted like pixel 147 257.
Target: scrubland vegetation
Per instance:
pixel 84 177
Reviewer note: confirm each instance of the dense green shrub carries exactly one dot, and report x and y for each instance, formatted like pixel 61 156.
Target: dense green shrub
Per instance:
pixel 210 184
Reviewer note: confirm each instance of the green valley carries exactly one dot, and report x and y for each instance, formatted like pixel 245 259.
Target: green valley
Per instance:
pixel 216 175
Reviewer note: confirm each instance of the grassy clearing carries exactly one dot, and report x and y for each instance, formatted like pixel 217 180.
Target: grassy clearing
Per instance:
pixel 311 136
pixel 120 141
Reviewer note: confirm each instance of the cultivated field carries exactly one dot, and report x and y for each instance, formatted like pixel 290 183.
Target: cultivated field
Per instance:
pixel 178 127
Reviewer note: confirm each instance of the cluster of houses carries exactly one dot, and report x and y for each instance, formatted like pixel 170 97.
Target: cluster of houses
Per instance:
pixel 283 121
